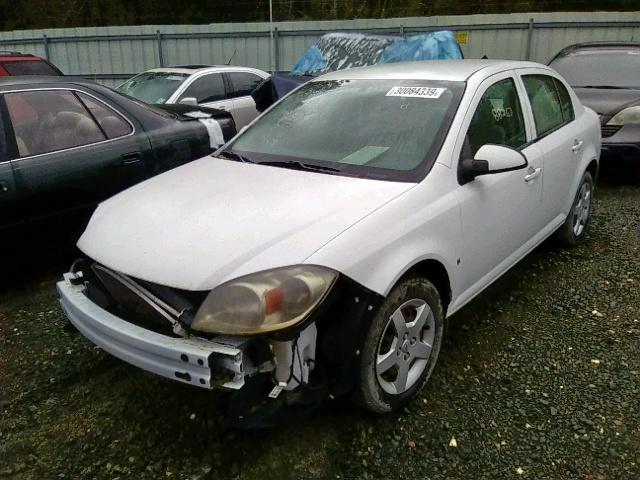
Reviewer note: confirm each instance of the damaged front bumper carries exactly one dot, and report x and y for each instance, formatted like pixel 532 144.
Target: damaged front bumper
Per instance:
pixel 204 363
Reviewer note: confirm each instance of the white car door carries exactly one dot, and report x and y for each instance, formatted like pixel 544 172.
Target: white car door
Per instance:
pixel 208 90
pixel 559 137
pixel 241 85
pixel 500 212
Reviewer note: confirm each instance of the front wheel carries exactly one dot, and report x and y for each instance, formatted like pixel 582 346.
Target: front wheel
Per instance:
pixel 401 346
pixel 574 226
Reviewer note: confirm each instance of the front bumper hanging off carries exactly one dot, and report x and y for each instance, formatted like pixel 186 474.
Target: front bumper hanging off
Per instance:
pixel 200 362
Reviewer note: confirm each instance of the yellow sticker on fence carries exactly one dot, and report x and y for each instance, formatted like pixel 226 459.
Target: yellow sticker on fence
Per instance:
pixel 462 37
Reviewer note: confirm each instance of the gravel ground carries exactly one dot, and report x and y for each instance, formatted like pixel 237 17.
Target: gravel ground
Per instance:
pixel 539 378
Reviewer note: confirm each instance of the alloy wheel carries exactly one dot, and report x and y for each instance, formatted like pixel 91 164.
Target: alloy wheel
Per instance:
pixel 405 346
pixel 582 209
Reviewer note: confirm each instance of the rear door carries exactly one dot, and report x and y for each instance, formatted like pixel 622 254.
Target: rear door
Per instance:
pixel 559 137
pixel 241 84
pixel 72 150
pixel 208 90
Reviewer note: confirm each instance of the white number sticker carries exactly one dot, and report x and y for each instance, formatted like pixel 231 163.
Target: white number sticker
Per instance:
pixel 419 92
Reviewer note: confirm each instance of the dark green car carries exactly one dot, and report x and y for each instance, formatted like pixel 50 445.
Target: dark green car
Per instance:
pixel 66 145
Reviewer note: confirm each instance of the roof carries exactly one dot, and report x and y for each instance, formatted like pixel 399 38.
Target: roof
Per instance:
pixel 576 47
pixel 7 56
pixel 191 69
pixel 7 83
pixel 447 70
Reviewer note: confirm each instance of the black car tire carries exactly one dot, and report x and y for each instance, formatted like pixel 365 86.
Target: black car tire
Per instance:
pixel 373 389
pixel 568 234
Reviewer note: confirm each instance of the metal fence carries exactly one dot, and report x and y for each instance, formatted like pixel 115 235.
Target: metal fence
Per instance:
pixel 112 54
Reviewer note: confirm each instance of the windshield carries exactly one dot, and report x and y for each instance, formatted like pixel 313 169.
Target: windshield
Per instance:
pixel 600 68
pixel 153 87
pixel 29 67
pixel 391 129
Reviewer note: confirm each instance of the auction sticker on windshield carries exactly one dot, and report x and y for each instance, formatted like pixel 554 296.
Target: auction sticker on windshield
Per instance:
pixel 420 92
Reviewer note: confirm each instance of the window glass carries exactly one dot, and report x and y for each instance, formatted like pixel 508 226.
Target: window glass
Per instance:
pixel 545 103
pixel 112 124
pixel 498 118
pixel 153 87
pixel 363 127
pixel 565 101
pixel 49 120
pixel 600 66
pixel 243 83
pixel 209 88
pixel 29 67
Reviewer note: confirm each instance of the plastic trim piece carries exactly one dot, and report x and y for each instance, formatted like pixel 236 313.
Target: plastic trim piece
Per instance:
pixel 189 360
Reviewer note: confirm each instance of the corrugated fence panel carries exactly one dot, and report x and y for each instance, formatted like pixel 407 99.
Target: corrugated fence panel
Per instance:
pixel 110 54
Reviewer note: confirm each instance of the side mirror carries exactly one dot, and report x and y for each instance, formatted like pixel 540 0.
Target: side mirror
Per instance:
pixel 189 101
pixel 491 159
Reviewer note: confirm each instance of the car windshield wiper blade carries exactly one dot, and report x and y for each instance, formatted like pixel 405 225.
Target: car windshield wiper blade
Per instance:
pixel 297 165
pixel 234 156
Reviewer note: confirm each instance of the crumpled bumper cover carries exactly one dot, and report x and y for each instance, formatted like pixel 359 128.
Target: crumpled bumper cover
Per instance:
pixel 200 362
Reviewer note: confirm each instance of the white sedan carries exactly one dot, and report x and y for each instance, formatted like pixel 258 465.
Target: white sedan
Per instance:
pixel 215 86
pixel 321 251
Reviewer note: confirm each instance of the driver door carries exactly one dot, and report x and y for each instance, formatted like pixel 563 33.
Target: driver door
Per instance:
pixel 501 212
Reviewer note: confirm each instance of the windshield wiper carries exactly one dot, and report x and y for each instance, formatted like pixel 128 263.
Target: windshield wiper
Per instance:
pixel 296 165
pixel 234 156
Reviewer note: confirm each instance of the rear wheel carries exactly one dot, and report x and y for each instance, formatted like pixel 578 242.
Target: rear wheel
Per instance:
pixel 401 346
pixel 572 231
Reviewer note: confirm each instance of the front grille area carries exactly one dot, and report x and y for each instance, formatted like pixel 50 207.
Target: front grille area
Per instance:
pixel 154 310
pixel 610 130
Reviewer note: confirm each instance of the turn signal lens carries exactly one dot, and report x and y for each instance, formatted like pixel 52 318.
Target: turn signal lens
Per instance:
pixel 265 301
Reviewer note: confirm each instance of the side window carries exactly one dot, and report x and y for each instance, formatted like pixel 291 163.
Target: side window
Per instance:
pixel 543 95
pixel 112 124
pixel 498 118
pixel 565 102
pixel 209 88
pixel 49 120
pixel 243 83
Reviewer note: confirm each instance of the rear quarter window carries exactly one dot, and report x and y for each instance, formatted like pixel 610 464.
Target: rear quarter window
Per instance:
pixel 565 102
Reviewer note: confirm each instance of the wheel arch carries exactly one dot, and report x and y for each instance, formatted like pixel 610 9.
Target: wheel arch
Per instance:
pixel 435 271
pixel 593 169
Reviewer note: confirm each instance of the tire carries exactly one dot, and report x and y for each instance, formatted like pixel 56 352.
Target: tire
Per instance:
pixel 572 231
pixel 387 355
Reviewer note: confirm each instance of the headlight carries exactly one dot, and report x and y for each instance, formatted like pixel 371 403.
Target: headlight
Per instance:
pixel 628 115
pixel 264 301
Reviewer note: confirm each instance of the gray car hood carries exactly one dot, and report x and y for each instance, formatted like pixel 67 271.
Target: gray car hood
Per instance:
pixel 606 102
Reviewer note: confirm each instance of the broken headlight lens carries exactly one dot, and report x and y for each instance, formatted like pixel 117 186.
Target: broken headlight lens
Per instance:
pixel 265 301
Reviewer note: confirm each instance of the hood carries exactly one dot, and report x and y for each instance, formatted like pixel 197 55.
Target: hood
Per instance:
pixel 606 102
pixel 213 220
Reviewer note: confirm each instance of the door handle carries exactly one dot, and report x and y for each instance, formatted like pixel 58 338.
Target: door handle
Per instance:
pixel 129 158
pixel 532 173
pixel 577 145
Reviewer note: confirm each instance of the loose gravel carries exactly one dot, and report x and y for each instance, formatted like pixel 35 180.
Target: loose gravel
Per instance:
pixel 538 379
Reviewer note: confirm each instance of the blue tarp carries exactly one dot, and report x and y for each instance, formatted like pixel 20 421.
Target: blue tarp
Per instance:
pixel 338 51
pixel 432 46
